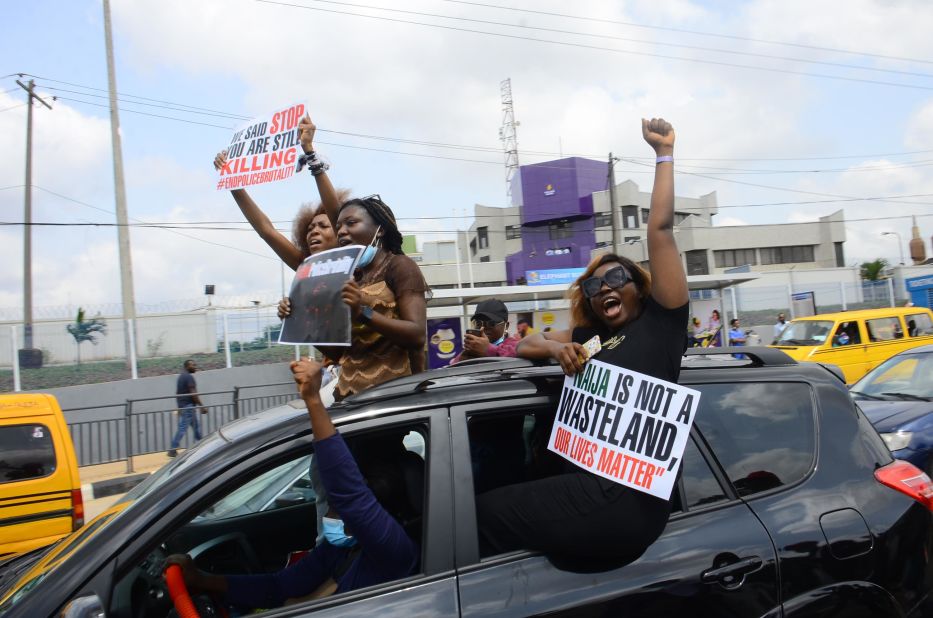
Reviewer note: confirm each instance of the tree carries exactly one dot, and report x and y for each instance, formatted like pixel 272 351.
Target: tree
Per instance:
pixel 86 330
pixel 873 271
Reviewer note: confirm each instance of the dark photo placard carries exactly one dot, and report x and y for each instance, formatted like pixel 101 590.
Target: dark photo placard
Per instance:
pixel 319 316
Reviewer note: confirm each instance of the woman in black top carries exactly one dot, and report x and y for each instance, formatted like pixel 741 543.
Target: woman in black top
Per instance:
pixel 641 321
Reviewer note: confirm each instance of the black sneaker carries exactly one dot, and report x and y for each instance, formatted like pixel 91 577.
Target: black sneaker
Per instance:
pixel 172 452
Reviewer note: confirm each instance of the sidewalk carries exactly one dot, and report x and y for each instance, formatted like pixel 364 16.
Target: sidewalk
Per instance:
pixel 104 484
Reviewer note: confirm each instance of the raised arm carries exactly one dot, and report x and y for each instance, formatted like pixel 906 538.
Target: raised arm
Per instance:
pixel 668 279
pixel 325 189
pixel 282 246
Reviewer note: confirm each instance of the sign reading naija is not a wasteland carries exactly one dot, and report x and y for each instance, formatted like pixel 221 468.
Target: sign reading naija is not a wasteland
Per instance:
pixel 624 426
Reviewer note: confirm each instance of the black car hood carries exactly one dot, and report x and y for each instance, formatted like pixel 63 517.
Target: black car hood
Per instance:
pixel 891 415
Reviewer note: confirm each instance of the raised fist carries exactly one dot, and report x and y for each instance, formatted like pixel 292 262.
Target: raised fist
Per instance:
pixel 659 134
pixel 306 130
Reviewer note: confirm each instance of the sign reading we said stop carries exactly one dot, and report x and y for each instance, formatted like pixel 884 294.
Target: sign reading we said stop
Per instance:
pixel 263 150
pixel 624 426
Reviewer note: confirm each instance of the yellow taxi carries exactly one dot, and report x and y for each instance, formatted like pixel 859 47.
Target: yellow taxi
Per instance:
pixel 856 341
pixel 40 491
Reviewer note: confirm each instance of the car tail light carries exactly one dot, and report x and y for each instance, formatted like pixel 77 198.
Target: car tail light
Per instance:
pixel 77 509
pixel 908 479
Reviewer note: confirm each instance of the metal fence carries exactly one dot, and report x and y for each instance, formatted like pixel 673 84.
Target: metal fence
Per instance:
pixel 142 426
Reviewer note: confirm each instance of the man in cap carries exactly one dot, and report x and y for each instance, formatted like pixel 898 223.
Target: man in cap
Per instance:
pixel 489 335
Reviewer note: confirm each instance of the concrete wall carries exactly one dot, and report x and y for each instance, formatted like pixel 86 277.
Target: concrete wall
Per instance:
pixel 104 399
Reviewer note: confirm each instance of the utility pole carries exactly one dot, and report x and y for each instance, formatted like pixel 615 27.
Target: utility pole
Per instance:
pixel 123 230
pixel 508 136
pixel 612 204
pixel 28 356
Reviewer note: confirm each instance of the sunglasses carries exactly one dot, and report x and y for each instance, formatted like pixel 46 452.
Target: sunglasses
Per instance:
pixel 614 278
pixel 486 323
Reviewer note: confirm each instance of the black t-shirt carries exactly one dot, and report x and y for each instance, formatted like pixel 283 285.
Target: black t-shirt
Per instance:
pixel 184 386
pixel 653 343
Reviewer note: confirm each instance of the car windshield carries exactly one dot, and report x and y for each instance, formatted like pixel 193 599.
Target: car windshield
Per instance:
pixel 907 377
pixel 805 332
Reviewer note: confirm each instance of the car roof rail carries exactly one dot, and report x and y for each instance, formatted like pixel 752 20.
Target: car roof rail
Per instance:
pixel 760 356
pixel 421 381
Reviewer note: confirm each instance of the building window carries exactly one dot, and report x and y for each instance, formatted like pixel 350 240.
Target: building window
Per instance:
pixel 603 243
pixel 787 255
pixel 602 219
pixel 557 251
pixel 629 216
pixel 473 247
pixel 482 234
pixel 734 257
pixel 631 239
pixel 697 262
pixel 560 229
pixel 513 231
pixel 644 215
pixel 484 258
pixel 840 256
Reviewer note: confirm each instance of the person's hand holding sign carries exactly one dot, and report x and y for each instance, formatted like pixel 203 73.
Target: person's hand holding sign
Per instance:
pixel 220 160
pixel 306 130
pixel 571 356
pixel 352 298
pixel 284 308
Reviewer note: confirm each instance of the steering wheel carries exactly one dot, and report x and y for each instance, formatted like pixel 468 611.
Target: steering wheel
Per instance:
pixel 178 592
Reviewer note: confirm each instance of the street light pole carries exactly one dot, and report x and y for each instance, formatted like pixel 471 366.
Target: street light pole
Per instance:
pixel 900 245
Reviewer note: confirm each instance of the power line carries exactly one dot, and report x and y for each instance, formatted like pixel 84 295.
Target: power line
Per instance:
pixel 627 39
pixel 600 48
pixel 696 32
pixel 171 227
pixel 6 109
pixel 492 149
pixel 71 199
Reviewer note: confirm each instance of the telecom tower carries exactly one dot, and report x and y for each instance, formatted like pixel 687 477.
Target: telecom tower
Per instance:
pixel 508 136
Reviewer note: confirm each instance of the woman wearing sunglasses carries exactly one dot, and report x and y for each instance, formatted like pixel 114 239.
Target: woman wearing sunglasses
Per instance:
pixel 641 320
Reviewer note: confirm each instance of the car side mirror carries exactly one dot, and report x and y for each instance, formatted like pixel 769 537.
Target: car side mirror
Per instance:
pixel 84 607
pixel 289 498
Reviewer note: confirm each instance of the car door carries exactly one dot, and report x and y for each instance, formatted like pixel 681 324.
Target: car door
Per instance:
pixel 432 591
pixel 714 558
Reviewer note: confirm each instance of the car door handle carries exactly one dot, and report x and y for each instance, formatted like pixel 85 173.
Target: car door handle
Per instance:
pixel 731 575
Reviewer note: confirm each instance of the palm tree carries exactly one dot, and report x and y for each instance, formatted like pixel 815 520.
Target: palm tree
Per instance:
pixel 873 271
pixel 85 330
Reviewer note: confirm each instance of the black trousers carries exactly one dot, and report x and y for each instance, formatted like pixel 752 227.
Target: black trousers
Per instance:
pixel 570 515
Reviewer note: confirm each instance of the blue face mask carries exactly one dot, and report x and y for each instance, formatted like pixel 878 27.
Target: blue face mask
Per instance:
pixel 369 252
pixel 499 340
pixel 335 535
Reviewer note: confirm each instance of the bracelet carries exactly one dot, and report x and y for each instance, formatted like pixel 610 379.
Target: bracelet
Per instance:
pixel 315 165
pixel 665 159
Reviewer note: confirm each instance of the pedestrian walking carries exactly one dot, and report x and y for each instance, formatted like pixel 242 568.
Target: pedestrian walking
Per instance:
pixel 188 400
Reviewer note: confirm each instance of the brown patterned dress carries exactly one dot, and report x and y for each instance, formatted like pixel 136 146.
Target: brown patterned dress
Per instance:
pixel 371 358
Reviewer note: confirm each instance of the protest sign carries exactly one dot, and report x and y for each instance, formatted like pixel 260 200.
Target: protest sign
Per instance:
pixel 319 315
pixel 624 426
pixel 263 150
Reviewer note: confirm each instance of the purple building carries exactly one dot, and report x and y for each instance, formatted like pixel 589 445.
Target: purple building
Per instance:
pixel 556 206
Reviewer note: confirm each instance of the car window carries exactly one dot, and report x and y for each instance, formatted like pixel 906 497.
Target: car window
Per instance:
pixel 899 377
pixel 805 332
pixel 761 432
pixel 847 333
pixel 919 324
pixel 26 452
pixel 700 485
pixel 266 522
pixel 884 329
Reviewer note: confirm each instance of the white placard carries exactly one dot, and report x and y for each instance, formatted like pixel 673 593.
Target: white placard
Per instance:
pixel 624 426
pixel 263 150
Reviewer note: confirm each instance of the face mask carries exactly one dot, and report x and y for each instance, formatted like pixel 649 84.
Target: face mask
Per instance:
pixel 499 340
pixel 369 252
pixel 333 532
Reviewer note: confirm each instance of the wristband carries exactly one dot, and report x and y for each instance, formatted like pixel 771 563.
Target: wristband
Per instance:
pixel 315 165
pixel 665 159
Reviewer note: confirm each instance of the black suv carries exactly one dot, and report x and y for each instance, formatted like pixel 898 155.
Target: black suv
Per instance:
pixel 788 504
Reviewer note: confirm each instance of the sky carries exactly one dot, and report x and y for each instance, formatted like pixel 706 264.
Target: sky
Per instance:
pixel 788 110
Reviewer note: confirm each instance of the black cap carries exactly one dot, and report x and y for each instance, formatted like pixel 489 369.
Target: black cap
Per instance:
pixel 492 309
